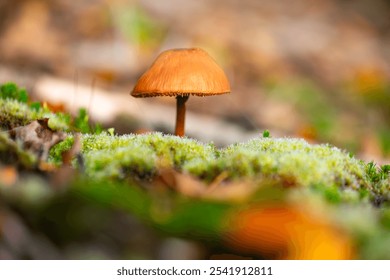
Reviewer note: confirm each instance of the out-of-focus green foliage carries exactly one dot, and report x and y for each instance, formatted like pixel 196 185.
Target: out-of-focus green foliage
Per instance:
pixel 310 101
pixel 82 124
pixel 173 214
pixel 81 121
pixel 266 134
pixel 384 136
pixel 138 26
pixel 11 91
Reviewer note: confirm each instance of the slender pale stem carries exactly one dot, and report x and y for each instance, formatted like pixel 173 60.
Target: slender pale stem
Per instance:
pixel 180 114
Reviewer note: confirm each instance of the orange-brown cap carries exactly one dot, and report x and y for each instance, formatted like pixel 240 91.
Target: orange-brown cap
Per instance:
pixel 182 72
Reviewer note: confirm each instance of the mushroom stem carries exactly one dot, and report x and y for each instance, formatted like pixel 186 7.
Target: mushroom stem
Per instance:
pixel 180 114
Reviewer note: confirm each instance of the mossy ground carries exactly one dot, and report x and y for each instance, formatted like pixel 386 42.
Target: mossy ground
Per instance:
pixel 294 160
pixel 301 171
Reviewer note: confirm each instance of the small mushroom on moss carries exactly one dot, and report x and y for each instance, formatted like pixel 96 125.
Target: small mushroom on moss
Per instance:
pixel 181 73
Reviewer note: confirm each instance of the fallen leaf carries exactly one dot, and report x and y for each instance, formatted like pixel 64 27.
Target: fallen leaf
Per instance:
pixel 238 191
pixel 37 137
pixel 188 185
pixel 54 107
pixel 182 183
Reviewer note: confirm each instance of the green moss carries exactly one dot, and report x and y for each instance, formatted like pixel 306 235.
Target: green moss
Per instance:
pixel 57 150
pixel 266 134
pixel 121 156
pixel 138 162
pixel 11 91
pixel 14 113
pixel 291 160
pixel 58 121
pixel 14 110
pixel 295 160
pixel 379 177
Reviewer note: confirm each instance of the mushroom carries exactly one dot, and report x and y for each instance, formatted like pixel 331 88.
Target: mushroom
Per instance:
pixel 181 73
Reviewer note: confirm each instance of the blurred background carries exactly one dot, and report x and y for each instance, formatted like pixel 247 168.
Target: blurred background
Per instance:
pixel 318 69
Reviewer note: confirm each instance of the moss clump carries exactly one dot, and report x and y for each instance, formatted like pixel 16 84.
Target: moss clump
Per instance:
pixel 139 163
pixel 140 155
pixel 57 150
pixel 11 91
pixel 14 113
pixel 292 160
pixel 380 178
pixel 15 110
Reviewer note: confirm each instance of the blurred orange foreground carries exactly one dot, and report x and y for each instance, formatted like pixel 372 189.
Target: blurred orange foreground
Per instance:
pixel 286 232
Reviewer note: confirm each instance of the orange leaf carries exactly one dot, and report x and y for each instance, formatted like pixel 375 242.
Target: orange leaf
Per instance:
pixel 286 232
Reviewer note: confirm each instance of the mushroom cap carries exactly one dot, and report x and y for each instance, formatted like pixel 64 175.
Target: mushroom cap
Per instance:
pixel 182 72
